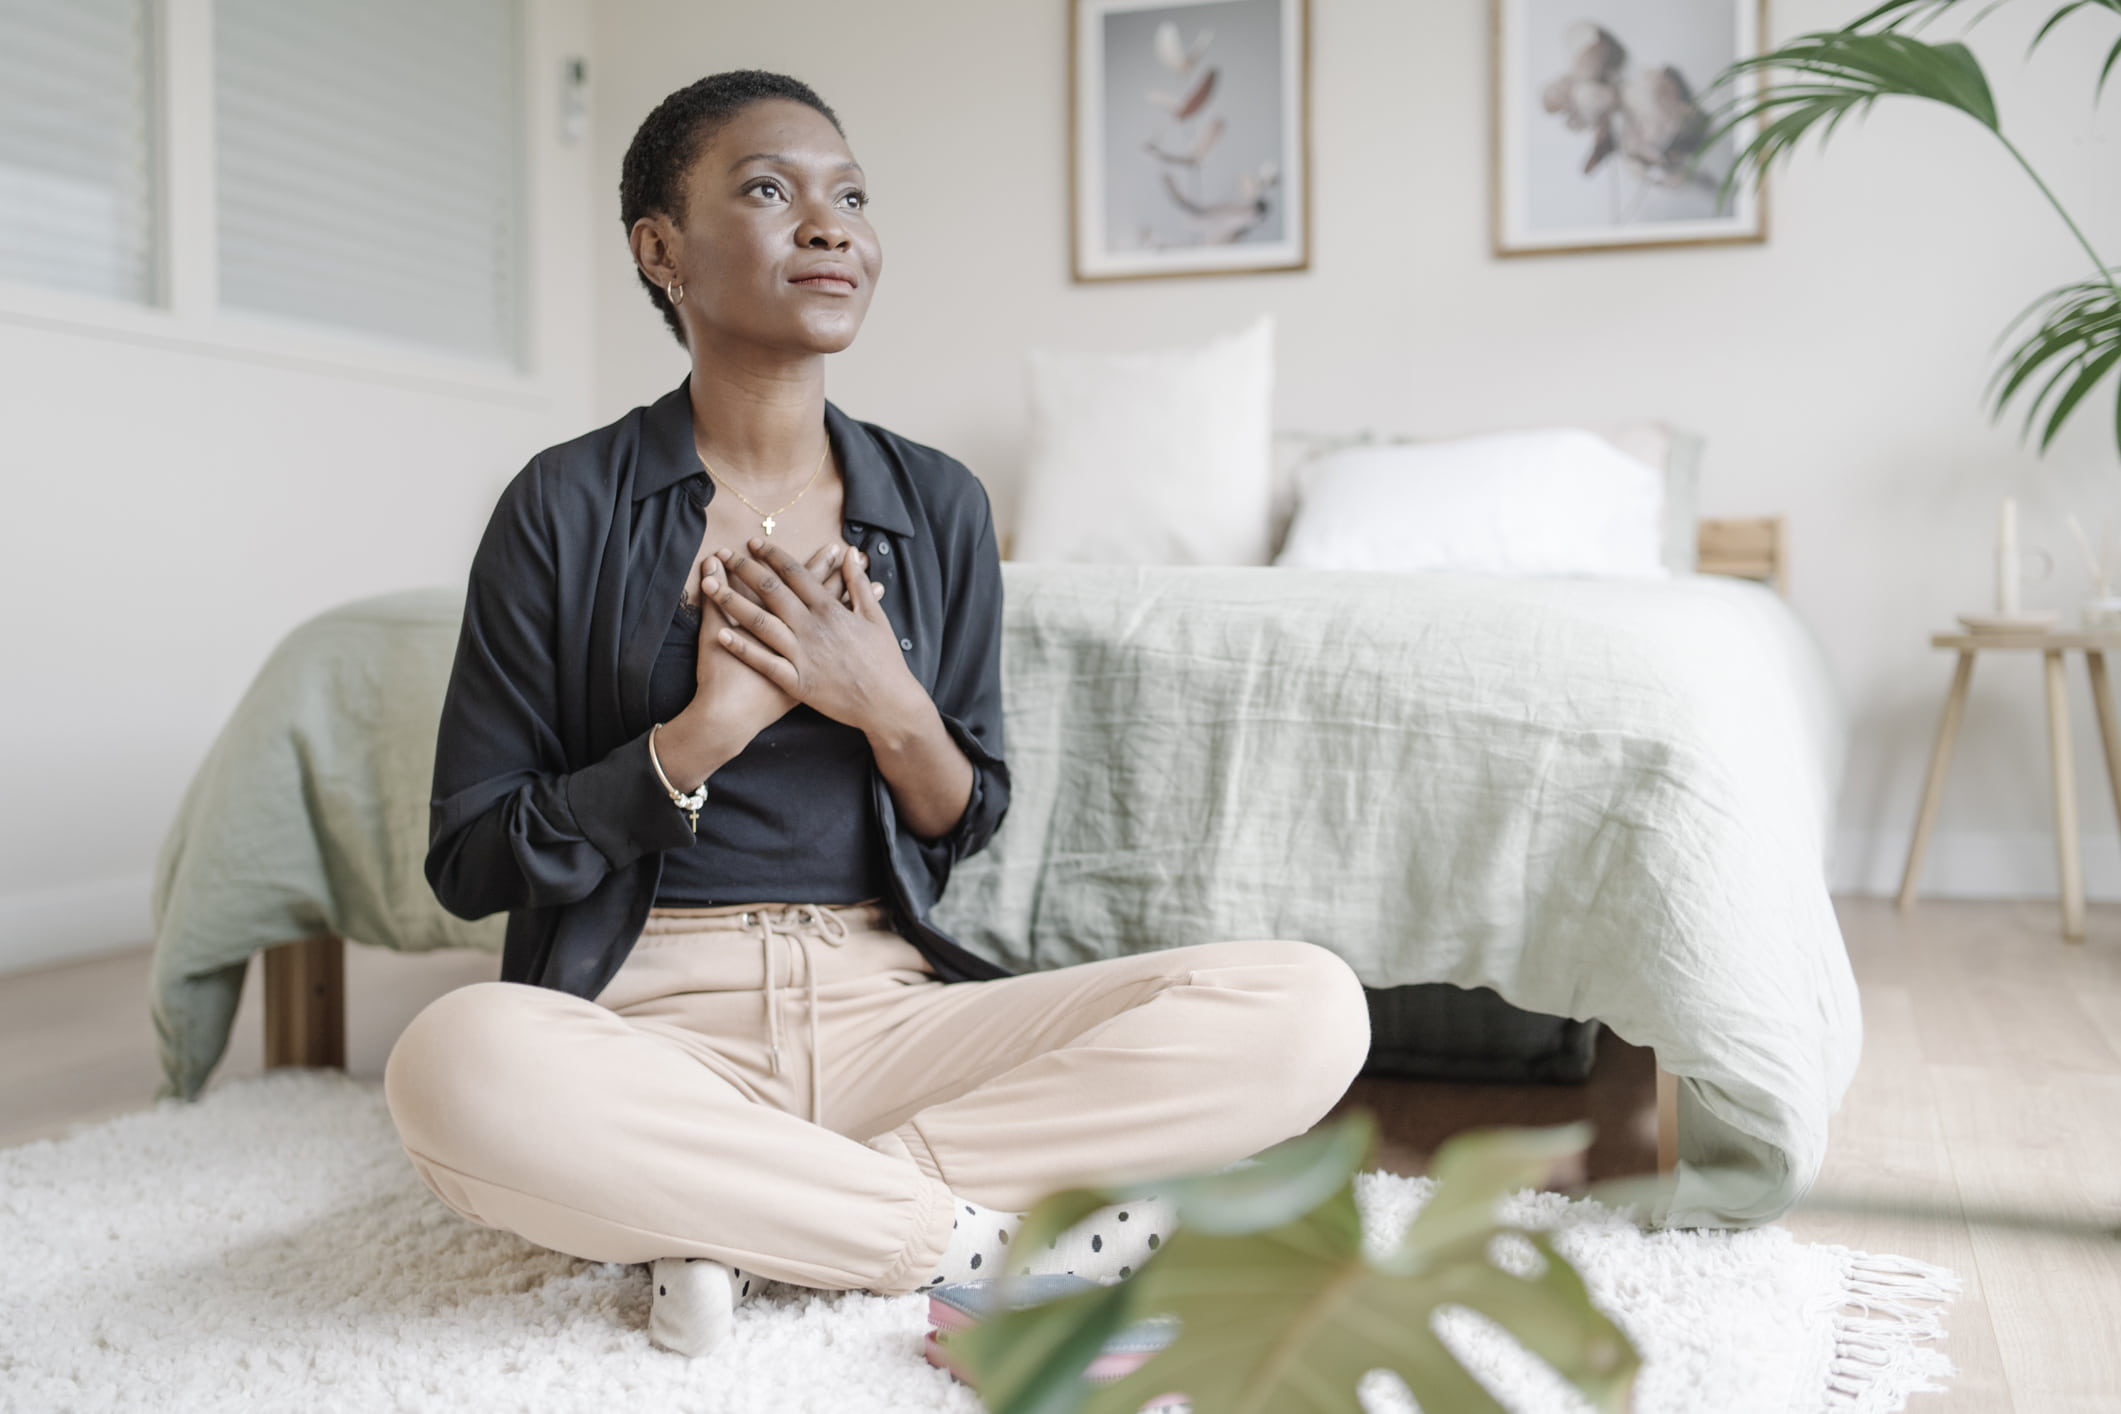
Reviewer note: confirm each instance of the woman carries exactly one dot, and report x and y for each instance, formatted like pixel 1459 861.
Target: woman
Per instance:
pixel 715 754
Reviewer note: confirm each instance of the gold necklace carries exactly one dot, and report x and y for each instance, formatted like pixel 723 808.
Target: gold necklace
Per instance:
pixel 768 515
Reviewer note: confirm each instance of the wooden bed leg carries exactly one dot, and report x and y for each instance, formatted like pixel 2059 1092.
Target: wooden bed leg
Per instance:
pixel 305 1003
pixel 1667 1120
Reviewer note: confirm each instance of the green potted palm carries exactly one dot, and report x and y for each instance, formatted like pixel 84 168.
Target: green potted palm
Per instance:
pixel 2075 341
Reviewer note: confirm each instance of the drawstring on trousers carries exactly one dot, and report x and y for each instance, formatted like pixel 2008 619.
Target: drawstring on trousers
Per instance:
pixel 834 932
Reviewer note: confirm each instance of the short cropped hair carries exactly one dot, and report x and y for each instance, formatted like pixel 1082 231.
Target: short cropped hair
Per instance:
pixel 669 140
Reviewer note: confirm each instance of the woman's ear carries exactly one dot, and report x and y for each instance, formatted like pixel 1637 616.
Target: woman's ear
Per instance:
pixel 654 249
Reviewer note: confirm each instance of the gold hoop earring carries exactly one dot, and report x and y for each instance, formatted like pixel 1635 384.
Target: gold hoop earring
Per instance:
pixel 676 290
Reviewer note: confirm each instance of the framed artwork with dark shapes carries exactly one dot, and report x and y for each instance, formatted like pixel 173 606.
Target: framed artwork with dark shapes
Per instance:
pixel 1600 112
pixel 1188 137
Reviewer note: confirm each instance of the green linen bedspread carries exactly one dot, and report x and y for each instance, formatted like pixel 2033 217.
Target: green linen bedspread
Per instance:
pixel 1603 799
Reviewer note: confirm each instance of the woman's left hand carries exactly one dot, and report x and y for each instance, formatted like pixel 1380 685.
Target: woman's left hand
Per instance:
pixel 840 657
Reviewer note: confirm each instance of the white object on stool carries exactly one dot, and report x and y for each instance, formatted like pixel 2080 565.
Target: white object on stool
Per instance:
pixel 2006 563
pixel 2034 621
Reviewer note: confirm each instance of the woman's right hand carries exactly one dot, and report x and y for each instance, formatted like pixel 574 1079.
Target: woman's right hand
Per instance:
pixel 728 691
pixel 732 702
pixel 736 698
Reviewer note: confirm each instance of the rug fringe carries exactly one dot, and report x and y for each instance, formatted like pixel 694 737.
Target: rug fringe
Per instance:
pixel 1888 1311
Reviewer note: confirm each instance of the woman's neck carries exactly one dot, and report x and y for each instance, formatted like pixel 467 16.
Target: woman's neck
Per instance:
pixel 761 421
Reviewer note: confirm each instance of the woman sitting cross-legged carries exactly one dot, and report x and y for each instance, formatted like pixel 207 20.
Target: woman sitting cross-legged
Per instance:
pixel 724 711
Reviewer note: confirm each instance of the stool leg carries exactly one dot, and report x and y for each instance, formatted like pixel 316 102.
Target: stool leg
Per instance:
pixel 1933 788
pixel 2109 730
pixel 2065 799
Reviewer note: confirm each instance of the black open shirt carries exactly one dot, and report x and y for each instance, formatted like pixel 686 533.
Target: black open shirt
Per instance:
pixel 545 802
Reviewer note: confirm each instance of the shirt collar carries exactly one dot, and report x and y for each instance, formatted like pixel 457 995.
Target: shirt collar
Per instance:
pixel 872 495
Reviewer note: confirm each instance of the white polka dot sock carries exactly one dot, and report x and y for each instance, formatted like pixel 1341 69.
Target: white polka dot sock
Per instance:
pixel 1110 1243
pixel 695 1301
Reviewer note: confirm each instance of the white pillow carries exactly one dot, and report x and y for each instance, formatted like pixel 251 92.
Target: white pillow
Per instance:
pixel 1560 501
pixel 1155 458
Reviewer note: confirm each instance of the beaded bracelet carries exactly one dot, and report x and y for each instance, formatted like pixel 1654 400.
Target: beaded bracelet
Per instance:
pixel 689 803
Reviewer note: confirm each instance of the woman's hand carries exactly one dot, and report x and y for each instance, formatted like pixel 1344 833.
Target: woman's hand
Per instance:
pixel 825 564
pixel 739 700
pixel 804 631
pixel 728 689
pixel 731 701
pixel 839 654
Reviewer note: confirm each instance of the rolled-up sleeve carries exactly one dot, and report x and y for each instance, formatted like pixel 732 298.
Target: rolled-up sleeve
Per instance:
pixel 968 690
pixel 510 824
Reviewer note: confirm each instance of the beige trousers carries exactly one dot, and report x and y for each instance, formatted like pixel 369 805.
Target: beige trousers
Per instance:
pixel 790 1089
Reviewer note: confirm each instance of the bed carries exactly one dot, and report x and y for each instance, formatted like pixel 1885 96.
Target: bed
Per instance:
pixel 1599 802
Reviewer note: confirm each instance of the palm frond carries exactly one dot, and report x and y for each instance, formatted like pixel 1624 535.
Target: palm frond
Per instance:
pixel 2089 372
pixel 2077 343
pixel 1897 12
pixel 1894 13
pixel 2113 55
pixel 1840 73
pixel 2055 19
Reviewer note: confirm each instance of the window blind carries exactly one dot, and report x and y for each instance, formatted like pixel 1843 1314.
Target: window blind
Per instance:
pixel 369 171
pixel 76 148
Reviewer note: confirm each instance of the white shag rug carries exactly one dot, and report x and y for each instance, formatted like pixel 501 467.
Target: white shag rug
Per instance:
pixel 269 1246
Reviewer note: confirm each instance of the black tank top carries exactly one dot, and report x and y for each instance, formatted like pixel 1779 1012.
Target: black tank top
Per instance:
pixel 789 820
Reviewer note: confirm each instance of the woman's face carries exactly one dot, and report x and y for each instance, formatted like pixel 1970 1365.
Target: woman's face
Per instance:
pixel 776 247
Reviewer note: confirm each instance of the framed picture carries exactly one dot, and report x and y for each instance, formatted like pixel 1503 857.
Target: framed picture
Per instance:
pixel 1189 137
pixel 1599 119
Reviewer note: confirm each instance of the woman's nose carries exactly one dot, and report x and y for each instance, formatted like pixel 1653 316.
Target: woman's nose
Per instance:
pixel 822 231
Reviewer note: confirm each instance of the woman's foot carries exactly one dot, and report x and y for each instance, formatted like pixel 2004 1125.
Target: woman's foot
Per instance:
pixel 694 1307
pixel 1108 1245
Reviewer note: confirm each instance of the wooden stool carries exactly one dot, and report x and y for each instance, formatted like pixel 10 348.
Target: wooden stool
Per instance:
pixel 2052 646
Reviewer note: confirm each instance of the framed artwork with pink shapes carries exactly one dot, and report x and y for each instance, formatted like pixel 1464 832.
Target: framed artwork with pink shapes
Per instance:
pixel 1189 137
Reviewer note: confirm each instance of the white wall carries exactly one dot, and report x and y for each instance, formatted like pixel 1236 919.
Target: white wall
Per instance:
pixel 1836 371
pixel 179 496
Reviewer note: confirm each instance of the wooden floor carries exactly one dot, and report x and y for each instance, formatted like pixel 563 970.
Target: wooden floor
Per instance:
pixel 1983 1130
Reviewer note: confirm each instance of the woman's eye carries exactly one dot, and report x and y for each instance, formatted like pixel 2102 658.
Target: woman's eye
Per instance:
pixel 761 186
pixel 860 199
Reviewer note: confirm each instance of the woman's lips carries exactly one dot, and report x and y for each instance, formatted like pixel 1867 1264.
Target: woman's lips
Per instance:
pixel 831 284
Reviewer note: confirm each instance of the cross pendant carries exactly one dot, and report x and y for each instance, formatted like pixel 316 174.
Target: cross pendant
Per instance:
pixel 769 525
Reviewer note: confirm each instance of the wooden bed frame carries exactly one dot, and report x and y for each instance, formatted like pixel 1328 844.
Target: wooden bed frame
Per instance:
pixel 305 981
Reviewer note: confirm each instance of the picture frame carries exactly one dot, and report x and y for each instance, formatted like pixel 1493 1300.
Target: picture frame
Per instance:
pixel 1189 137
pixel 1593 104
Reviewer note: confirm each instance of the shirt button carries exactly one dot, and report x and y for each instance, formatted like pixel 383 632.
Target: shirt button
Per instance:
pixel 883 547
pixel 905 643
